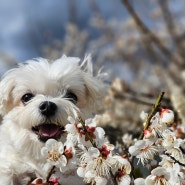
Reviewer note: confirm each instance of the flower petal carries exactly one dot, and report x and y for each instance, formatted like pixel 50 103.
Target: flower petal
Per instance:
pixel 44 151
pixel 51 143
pixel 81 172
pixel 100 180
pixel 93 152
pixel 61 148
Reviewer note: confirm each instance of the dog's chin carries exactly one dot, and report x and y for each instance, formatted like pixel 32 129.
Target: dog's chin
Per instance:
pixel 47 131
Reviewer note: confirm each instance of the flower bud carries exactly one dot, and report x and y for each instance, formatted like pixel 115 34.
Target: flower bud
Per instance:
pixel 167 116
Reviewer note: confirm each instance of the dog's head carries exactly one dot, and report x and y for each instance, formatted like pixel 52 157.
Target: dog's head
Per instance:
pixel 39 96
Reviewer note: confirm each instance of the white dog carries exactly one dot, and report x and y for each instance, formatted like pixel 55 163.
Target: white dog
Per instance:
pixel 35 101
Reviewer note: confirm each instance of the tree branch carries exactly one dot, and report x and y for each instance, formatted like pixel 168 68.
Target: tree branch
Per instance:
pixel 169 21
pixel 145 31
pixel 154 110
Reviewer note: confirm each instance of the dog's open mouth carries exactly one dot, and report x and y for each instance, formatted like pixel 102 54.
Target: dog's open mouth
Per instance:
pixel 47 131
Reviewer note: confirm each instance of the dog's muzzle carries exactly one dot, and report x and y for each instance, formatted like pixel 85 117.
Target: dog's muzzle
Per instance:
pixel 47 131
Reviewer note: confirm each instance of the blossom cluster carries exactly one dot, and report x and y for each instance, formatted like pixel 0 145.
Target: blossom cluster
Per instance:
pixel 87 151
pixel 161 139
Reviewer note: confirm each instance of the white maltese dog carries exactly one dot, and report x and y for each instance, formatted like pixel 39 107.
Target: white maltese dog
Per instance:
pixel 35 102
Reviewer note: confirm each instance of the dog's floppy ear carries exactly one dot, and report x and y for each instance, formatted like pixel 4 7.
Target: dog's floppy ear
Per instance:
pixel 7 84
pixel 95 87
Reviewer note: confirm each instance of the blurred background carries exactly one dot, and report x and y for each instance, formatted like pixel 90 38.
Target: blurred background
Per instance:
pixel 141 44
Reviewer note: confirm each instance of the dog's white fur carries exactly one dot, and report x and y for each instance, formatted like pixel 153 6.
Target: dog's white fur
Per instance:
pixel 20 156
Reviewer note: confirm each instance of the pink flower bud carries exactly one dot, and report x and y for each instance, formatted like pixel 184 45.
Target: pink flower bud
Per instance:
pixel 167 116
pixel 148 134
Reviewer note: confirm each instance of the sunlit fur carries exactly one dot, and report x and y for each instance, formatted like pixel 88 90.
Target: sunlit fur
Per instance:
pixel 20 157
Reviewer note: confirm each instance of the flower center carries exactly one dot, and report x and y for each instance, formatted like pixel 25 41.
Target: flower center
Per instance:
pixel 104 152
pixel 68 153
pixel 54 155
pixel 160 179
pixel 99 161
pixel 120 173
pixel 170 139
pixel 145 148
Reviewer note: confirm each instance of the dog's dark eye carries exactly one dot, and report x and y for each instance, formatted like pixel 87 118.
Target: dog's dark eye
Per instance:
pixel 27 97
pixel 71 97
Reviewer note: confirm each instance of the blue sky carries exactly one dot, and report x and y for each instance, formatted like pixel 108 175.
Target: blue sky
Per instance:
pixel 25 25
pixel 28 25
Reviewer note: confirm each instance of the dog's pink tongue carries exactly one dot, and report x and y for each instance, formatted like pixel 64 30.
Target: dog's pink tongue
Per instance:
pixel 49 130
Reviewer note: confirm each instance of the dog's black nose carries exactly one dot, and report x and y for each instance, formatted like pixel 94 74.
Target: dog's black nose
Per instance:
pixel 48 108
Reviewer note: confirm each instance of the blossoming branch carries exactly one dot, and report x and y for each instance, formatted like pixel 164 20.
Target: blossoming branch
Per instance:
pixel 86 152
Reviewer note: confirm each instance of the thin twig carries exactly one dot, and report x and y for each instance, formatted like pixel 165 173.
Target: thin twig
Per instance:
pixel 140 98
pixel 154 110
pixel 182 164
pixel 132 98
pixel 150 51
pixel 146 31
pixel 50 173
pixel 171 28
pixel 94 145
pixel 168 18
pixel 87 133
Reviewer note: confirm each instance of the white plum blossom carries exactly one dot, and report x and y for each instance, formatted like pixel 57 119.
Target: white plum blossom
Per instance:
pixel 148 134
pixel 143 115
pixel 176 175
pixel 159 176
pixel 177 154
pixel 87 151
pixel 144 150
pixel 60 155
pixel 166 116
pixel 72 130
pixel 53 152
pixel 91 177
pixel 182 145
pixel 172 144
pixel 122 170
pixel 139 181
pixel 156 124
pixel 77 134
pixel 169 140
pixel 96 163
pixel 166 161
pixel 161 120
pixel 72 160
pixel 97 133
pixel 127 139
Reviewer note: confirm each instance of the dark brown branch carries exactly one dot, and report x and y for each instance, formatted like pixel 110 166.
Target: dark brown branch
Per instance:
pixel 132 98
pixel 169 21
pixel 145 31
pixel 50 173
pixel 141 98
pixel 182 164
pixel 87 133
pixel 168 18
